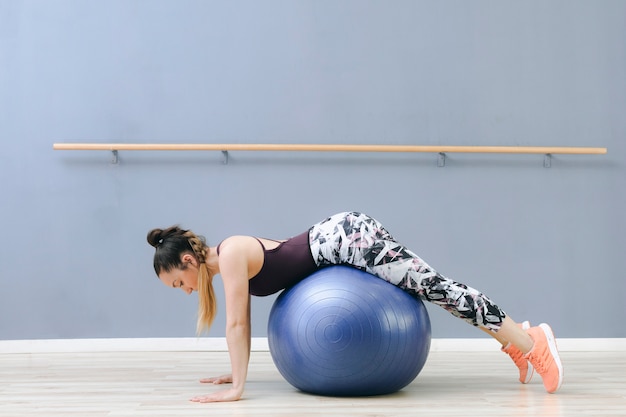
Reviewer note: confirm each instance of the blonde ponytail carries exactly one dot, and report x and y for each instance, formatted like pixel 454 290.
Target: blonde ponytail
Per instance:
pixel 207 304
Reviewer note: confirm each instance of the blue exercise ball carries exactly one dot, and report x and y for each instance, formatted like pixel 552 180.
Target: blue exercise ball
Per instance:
pixel 345 332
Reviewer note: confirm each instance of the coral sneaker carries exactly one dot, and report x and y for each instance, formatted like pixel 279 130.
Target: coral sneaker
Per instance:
pixel 544 356
pixel 525 369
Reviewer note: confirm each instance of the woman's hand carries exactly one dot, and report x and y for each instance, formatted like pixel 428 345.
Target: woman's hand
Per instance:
pixel 222 379
pixel 225 395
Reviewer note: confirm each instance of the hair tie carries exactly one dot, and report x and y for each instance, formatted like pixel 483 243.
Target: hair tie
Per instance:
pixel 160 241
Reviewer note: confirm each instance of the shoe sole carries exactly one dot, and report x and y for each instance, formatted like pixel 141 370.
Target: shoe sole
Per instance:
pixel 547 330
pixel 531 370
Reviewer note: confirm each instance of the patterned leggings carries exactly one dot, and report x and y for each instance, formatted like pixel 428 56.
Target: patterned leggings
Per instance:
pixel 360 241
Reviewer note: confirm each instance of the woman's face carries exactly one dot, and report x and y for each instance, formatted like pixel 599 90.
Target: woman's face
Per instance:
pixel 185 279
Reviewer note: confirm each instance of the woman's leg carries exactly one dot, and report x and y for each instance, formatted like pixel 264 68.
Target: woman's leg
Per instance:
pixel 361 241
pixel 512 332
pixel 356 239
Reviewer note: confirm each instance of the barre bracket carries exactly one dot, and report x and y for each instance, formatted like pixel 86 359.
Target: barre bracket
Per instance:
pixel 441 161
pixel 547 160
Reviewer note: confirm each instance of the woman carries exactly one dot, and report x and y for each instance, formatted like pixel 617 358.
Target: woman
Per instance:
pixel 255 266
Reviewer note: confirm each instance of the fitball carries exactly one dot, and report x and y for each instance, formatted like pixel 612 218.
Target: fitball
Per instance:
pixel 344 332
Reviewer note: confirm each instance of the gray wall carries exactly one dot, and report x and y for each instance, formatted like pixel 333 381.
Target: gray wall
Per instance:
pixel 545 244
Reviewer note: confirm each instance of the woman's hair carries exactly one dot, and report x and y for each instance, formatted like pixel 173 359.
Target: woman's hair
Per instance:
pixel 171 244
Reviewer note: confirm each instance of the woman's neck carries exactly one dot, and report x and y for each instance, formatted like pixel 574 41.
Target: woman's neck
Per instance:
pixel 212 261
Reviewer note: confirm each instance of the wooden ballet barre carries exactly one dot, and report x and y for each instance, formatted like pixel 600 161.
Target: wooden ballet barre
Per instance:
pixel 547 150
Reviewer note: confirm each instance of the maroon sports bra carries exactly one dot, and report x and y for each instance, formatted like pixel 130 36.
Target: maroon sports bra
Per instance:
pixel 285 265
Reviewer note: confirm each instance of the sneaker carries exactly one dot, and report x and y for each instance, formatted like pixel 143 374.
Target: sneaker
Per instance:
pixel 525 368
pixel 544 356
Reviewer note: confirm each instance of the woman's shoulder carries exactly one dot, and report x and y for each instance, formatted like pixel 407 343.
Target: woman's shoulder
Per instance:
pixel 238 244
pixel 240 250
pixel 235 240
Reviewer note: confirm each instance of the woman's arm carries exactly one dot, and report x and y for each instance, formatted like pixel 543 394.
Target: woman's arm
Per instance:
pixel 228 378
pixel 234 272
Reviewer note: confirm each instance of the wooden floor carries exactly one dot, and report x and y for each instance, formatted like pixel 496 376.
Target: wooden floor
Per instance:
pixel 159 384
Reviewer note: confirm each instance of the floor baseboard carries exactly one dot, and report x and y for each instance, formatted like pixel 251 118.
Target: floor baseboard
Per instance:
pixel 260 344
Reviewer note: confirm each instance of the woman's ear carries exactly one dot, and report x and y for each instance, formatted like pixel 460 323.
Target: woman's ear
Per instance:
pixel 188 258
